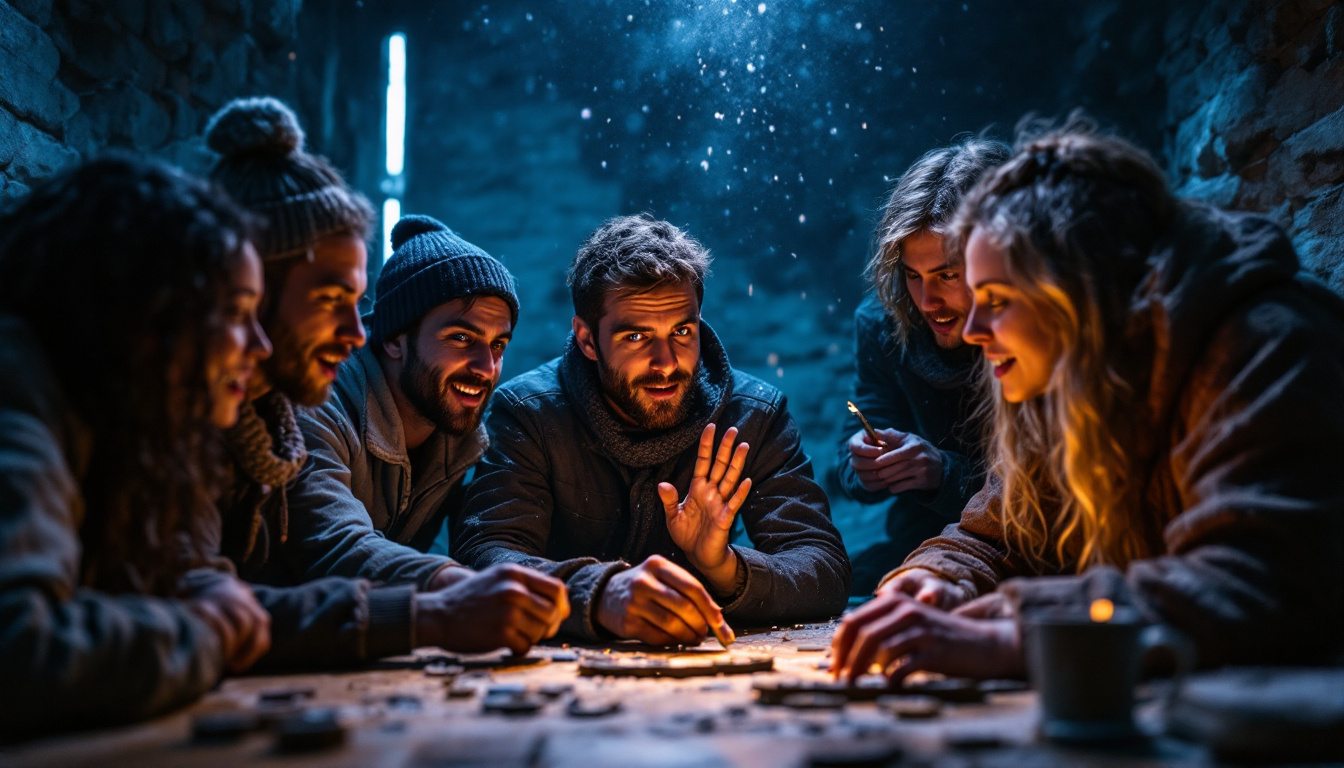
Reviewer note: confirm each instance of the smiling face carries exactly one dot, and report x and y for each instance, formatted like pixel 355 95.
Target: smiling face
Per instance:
pixel 936 287
pixel 236 342
pixel 647 347
pixel 314 321
pixel 452 361
pixel 1010 325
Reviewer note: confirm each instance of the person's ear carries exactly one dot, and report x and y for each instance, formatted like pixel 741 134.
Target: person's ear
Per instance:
pixel 586 340
pixel 395 347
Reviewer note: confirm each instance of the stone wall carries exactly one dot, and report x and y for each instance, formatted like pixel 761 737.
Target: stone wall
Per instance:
pixel 77 76
pixel 1255 115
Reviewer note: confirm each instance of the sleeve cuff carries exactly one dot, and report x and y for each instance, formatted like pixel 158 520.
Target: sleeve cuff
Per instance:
pixel 391 629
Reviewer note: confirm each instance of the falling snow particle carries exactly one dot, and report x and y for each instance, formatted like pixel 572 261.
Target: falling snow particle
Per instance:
pixel 760 8
pixel 750 289
pixel 604 164
pixel 586 114
pixel 833 131
pixel 529 17
pixel 779 372
pixel 718 115
pixel 772 129
pixel 704 164
pixel 772 359
pixel 802 218
pixel 630 17
pixel 914 69
pixel 865 126
pixel 751 67
pixel 858 25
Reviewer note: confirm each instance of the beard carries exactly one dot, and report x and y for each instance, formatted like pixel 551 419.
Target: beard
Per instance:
pixel 292 367
pixel 649 414
pixel 426 390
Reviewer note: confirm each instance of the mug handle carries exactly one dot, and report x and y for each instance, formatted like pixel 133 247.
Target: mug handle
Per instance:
pixel 1182 649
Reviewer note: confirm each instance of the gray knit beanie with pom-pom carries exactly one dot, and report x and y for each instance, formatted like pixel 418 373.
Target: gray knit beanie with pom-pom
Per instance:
pixel 262 165
pixel 430 265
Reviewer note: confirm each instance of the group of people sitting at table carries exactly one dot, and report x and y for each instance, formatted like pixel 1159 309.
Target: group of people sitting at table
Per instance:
pixel 1080 386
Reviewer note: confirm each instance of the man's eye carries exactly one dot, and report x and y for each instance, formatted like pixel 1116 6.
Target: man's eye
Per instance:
pixel 911 275
pixel 682 332
pixel 634 337
pixel 951 276
pixel 460 338
pixel 499 345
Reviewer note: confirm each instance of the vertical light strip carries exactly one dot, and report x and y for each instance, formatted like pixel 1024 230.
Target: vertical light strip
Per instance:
pixel 396 104
pixel 391 215
pixel 396 136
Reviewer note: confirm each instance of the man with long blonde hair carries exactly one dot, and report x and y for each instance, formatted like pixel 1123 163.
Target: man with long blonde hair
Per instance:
pixel 1169 432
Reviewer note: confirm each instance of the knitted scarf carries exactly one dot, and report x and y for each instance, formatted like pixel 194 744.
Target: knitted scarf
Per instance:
pixel 941 368
pixel 267 447
pixel 646 457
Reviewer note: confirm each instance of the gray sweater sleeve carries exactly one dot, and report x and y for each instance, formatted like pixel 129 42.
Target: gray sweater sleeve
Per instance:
pixel 72 657
pixel 507 519
pixel 330 530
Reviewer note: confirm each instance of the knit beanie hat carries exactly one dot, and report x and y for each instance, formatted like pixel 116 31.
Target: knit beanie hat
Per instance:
pixel 430 265
pixel 262 165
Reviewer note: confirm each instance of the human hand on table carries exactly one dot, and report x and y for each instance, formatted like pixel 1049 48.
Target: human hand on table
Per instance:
pixel 242 626
pixel 505 605
pixel 658 602
pixel 907 462
pixel 700 525
pixel 927 587
pixel 903 635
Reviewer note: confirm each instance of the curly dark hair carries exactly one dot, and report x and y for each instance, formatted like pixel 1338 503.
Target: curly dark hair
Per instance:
pixel 119 268
pixel 633 253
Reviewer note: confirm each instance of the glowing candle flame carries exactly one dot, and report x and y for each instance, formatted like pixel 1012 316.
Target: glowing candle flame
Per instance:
pixel 1102 610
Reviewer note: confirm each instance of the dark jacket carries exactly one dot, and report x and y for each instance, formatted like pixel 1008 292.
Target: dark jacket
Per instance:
pixel 549 494
pixel 325 622
pixel 921 388
pixel 358 507
pixel 1241 451
pixel 72 657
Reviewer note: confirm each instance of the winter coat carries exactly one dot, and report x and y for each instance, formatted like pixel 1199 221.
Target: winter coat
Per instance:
pixel 920 388
pixel 555 494
pixel 1240 455
pixel 73 657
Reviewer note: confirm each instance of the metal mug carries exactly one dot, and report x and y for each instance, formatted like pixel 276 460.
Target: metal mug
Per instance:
pixel 1085 671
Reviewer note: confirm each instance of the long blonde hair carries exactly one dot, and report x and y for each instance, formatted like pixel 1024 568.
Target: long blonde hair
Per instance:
pixel 1078 214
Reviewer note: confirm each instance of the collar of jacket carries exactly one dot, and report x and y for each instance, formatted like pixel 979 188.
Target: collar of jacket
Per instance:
pixel 363 383
pixel 633 446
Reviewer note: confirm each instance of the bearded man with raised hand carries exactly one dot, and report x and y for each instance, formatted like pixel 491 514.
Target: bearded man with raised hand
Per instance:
pixel 621 466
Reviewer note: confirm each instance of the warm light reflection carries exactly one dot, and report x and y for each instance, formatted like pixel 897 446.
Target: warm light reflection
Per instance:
pixel 1102 610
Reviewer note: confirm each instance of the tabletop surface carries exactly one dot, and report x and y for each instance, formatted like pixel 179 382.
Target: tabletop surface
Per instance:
pixel 402 715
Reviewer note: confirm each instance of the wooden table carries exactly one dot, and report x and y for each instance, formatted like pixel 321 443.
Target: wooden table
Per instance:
pixel 403 718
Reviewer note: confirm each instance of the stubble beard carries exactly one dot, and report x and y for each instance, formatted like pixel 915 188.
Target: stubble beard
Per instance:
pixel 426 389
pixel 650 415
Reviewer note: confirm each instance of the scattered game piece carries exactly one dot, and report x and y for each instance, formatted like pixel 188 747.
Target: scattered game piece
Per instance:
pixel 511 704
pixel 285 695
pixel 846 754
pixel 502 661
pixel 460 690
pixel 554 690
pixel 223 726
pixel 311 730
pixel 271 715
pixel 814 701
pixel 1003 686
pixel 639 665
pixel 444 670
pixel 564 656
pixel 823 664
pixel 773 692
pixel 911 707
pixel 955 690
pixel 971 741
pixel 813 647
pixel 593 707
pixel 723 633
pixel 404 702
pixel 506 689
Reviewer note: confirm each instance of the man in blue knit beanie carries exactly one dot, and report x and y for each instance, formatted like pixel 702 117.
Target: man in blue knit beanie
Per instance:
pixel 391 446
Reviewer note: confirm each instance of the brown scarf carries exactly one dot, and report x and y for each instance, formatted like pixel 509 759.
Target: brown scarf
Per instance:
pixel 268 447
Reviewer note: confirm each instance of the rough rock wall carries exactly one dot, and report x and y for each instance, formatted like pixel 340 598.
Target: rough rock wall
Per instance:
pixel 1255 108
pixel 77 76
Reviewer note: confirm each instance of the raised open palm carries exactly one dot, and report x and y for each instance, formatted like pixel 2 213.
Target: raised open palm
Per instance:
pixel 701 522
